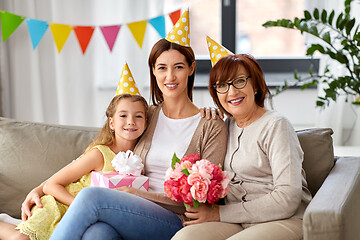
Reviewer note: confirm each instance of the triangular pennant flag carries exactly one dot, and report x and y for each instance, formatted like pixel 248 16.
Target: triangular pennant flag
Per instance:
pixel 138 31
pixel 37 30
pixel 9 23
pixel 174 16
pixel 110 33
pixel 60 33
pixel 84 34
pixel 159 24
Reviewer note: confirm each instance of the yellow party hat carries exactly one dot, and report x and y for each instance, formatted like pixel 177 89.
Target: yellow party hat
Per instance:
pixel 216 50
pixel 127 82
pixel 180 33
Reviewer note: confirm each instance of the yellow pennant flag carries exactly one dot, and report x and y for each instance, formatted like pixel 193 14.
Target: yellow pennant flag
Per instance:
pixel 60 33
pixel 138 31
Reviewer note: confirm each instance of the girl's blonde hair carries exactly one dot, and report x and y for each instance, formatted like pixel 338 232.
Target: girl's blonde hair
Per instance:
pixel 106 136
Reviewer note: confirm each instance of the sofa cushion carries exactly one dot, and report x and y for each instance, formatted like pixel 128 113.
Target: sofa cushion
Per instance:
pixel 32 152
pixel 317 145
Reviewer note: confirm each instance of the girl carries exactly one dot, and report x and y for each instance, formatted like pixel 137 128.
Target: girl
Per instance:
pixel 126 121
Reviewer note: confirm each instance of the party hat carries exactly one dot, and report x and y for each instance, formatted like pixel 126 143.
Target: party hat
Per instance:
pixel 127 82
pixel 180 33
pixel 216 50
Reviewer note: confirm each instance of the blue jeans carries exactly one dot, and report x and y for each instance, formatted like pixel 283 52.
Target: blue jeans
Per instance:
pixel 113 214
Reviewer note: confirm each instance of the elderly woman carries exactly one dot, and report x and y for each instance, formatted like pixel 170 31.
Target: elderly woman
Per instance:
pixel 268 191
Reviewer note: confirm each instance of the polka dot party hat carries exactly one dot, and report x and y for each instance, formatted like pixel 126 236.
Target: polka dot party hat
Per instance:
pixel 216 50
pixel 180 33
pixel 127 82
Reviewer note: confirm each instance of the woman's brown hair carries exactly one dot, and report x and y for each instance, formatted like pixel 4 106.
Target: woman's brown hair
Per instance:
pixel 227 68
pixel 161 46
pixel 106 136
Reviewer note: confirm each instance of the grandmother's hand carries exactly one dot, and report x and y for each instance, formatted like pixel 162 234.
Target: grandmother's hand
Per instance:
pixel 203 213
pixel 211 112
pixel 127 189
pixel 33 198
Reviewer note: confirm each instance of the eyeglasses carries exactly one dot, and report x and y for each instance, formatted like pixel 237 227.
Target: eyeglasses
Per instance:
pixel 238 83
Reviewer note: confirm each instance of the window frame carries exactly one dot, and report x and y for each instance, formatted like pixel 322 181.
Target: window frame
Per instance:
pixel 269 65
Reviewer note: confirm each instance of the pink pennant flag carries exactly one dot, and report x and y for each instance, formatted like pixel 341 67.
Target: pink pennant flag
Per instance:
pixel 110 33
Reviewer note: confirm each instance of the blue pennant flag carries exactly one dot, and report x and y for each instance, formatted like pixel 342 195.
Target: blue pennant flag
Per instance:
pixel 37 30
pixel 159 24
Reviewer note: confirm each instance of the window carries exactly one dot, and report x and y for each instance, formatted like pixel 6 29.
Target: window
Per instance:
pixel 237 25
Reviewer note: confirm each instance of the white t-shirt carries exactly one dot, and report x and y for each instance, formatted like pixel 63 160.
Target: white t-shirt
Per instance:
pixel 170 136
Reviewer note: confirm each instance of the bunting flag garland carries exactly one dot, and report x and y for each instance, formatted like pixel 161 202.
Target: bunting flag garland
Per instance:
pixel 110 33
pixel 159 24
pixel 175 16
pixel 9 23
pixel 138 31
pixel 37 28
pixel 60 33
pixel 84 34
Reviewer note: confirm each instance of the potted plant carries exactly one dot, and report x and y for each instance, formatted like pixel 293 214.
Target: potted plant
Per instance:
pixel 339 37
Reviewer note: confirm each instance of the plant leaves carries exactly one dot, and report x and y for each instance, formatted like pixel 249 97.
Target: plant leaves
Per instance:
pixel 186 172
pixel 307 15
pixel 331 17
pixel 196 203
pixel 316 13
pixel 324 16
pixel 338 20
pixel 349 25
pixel 326 37
pixel 174 160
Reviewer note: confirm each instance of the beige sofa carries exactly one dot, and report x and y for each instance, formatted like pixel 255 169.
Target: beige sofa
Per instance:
pixel 31 152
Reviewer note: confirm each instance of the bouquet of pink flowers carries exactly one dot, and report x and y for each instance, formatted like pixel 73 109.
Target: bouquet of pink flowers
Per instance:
pixel 192 181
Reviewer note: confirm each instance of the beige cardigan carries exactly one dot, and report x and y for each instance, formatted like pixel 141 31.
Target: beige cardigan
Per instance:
pixel 209 141
pixel 264 160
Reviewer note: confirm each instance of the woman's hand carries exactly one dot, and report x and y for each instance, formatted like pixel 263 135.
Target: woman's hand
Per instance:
pixel 203 213
pixel 211 112
pixel 127 189
pixel 33 198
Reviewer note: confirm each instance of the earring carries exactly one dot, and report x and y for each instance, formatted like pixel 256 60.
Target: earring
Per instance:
pixel 255 93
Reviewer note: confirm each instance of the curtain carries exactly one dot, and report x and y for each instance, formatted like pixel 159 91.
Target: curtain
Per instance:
pixel 68 87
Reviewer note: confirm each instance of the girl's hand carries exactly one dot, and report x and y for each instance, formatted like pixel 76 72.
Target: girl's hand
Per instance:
pixel 127 189
pixel 203 213
pixel 211 112
pixel 33 198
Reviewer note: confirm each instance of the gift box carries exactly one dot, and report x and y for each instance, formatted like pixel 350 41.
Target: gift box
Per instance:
pixel 112 179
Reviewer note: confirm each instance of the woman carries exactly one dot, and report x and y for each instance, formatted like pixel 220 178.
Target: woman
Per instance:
pixel 268 191
pixel 175 125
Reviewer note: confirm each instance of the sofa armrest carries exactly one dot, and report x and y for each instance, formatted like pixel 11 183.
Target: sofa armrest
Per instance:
pixel 334 212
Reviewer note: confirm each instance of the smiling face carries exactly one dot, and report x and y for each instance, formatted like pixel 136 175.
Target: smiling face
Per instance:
pixel 171 71
pixel 240 103
pixel 129 120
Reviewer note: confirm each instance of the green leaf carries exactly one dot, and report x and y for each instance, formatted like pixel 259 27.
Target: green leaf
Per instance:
pixel 186 205
pixel 320 103
pixel 296 74
pixel 186 172
pixel 307 15
pixel 339 19
pixel 314 31
pixel 316 13
pixel 349 25
pixel 315 47
pixel 326 38
pixel 196 203
pixel 174 160
pixel 303 26
pixel 331 17
pixel 324 16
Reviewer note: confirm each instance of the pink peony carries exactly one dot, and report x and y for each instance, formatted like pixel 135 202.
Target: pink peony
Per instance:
pixel 191 158
pixel 184 191
pixel 214 193
pixel 199 190
pixel 204 168
pixel 171 188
